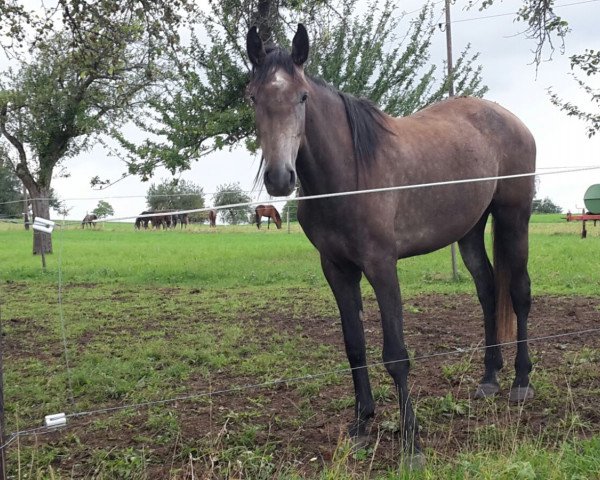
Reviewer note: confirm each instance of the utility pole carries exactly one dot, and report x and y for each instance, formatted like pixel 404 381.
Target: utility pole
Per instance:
pixel 2 422
pixel 449 50
pixel 450 94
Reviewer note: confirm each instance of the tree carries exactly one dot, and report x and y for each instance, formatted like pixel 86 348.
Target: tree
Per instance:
pixel 231 194
pixel 177 195
pixel 103 210
pixel 206 109
pixel 545 205
pixel 78 82
pixel 363 56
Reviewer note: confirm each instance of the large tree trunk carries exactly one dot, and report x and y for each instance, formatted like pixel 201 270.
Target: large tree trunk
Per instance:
pixel 40 201
pixel 266 18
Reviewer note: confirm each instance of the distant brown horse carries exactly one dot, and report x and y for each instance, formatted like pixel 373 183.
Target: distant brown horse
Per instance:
pixel 165 220
pixel 212 218
pixel 184 220
pixel 89 220
pixel 268 211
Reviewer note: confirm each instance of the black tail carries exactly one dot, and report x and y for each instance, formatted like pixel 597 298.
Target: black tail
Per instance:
pixel 506 320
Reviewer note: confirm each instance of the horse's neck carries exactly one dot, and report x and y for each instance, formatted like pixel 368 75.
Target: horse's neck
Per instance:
pixel 326 160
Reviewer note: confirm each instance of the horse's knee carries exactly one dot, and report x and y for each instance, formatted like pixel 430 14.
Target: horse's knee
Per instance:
pixel 397 364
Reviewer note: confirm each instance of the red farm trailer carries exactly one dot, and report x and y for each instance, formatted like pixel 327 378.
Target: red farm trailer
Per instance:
pixel 591 199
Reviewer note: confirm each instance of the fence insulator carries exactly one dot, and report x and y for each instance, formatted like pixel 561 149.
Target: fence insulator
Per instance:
pixel 55 420
pixel 43 225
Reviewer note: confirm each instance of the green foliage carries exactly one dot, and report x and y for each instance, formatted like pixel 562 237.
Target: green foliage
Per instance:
pixel 545 205
pixel 361 54
pixel 292 208
pixel 75 80
pixel 103 210
pixel 53 104
pixel 177 195
pixel 364 56
pixel 231 194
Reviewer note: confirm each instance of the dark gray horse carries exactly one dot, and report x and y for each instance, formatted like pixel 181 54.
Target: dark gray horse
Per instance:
pixel 334 142
pixel 89 220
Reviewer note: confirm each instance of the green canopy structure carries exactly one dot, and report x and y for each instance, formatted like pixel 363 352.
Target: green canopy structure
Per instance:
pixel 591 199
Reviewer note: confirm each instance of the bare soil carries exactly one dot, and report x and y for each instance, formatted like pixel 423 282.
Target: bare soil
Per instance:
pixel 303 431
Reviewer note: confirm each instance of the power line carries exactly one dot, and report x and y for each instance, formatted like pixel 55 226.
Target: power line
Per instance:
pixel 484 17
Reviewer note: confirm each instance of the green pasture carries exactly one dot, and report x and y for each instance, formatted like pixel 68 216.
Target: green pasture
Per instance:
pixel 242 256
pixel 149 315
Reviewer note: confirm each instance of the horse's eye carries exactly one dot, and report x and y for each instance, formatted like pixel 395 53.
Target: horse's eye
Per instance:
pixel 304 97
pixel 252 99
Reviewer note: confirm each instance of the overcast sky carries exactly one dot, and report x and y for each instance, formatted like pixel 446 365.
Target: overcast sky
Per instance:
pixel 507 70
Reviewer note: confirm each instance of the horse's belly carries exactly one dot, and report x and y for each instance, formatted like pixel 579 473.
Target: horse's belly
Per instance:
pixel 452 217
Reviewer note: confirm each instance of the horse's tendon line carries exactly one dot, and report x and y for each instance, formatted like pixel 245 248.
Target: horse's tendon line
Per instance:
pixel 353 192
pixel 241 388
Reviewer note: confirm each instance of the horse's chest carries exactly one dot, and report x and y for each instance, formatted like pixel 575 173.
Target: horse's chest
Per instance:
pixel 335 235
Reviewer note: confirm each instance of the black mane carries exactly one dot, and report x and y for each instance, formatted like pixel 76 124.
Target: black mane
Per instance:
pixel 367 126
pixel 366 120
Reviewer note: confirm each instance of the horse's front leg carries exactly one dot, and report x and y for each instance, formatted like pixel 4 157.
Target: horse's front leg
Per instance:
pixel 383 276
pixel 344 281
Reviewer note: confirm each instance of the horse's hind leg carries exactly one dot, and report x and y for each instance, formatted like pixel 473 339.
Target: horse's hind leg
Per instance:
pixel 511 230
pixel 474 255
pixel 344 281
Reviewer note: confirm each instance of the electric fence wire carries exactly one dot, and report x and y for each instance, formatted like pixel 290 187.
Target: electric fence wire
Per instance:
pixel 63 328
pixel 355 192
pixel 281 381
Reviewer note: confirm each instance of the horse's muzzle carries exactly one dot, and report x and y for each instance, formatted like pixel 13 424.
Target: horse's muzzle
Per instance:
pixel 280 182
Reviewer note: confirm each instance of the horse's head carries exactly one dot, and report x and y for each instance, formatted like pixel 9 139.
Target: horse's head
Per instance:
pixel 279 92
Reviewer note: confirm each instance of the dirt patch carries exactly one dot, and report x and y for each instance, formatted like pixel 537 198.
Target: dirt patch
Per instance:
pixel 298 427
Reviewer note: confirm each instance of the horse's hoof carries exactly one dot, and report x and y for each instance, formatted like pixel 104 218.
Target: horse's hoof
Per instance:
pixel 521 394
pixel 485 390
pixel 359 442
pixel 414 461
pixel 359 432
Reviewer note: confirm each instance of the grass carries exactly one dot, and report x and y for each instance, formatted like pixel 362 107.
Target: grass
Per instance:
pixel 239 256
pixel 153 315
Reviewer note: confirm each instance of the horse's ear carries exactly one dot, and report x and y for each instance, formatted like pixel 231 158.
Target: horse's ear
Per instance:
pixel 300 45
pixel 255 47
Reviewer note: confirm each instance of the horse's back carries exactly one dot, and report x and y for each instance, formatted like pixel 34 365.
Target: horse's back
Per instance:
pixel 453 140
pixel 479 125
